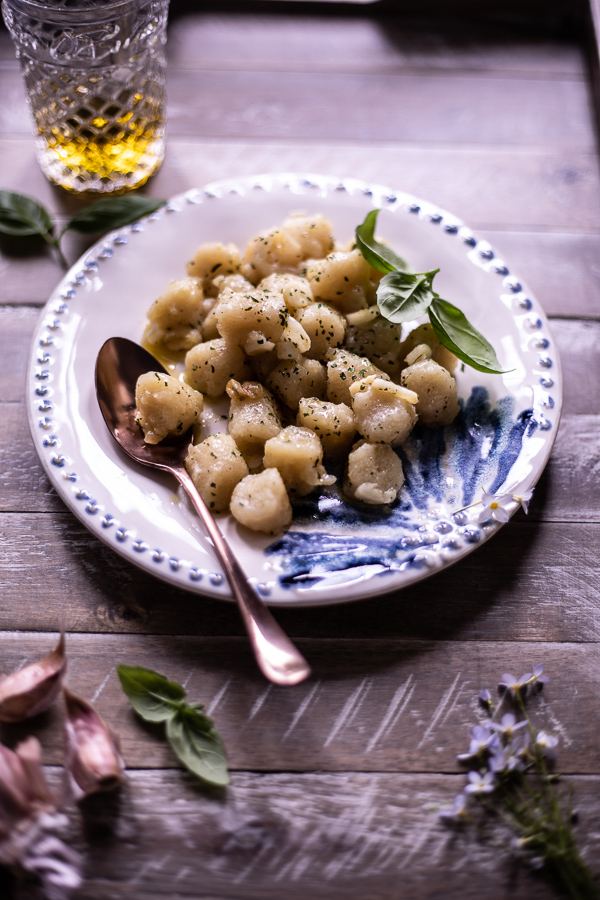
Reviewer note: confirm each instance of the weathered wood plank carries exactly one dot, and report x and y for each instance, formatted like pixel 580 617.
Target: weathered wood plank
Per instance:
pixel 531 582
pixel 328 836
pixel 22 478
pixel 16 330
pixel 206 40
pixel 485 187
pixel 448 108
pixel 325 836
pixel 561 269
pixel 406 107
pixel 488 188
pixel 578 345
pixel 370 705
pixel 593 54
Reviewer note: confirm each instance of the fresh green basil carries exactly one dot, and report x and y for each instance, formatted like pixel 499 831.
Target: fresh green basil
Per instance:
pixel 456 333
pixel 198 745
pixel 190 732
pixel 378 255
pixel 402 297
pixel 112 212
pixel 154 697
pixel 23 216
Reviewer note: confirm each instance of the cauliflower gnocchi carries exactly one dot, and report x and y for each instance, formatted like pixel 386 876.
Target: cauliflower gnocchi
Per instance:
pixel 253 418
pixel 175 318
pixel 165 406
pixel 215 466
pixel 374 473
pixel 212 260
pixel 332 422
pixel 383 411
pixel 298 454
pixel 261 502
pixel 289 333
pixel 434 387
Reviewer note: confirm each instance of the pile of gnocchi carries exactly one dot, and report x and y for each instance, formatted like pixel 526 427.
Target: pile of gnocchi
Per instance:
pixel 289 331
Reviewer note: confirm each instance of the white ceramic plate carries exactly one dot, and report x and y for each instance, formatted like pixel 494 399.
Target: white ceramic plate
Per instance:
pixel 334 551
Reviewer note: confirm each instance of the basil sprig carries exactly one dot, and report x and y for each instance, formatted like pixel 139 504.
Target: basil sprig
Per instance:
pixel 112 212
pixel 22 216
pixel 457 334
pixel 190 732
pixel 403 296
pixel 380 256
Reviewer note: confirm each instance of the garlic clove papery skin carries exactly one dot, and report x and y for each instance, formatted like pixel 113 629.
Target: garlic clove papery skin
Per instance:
pixel 24 793
pixel 33 689
pixel 92 756
pixel 38 793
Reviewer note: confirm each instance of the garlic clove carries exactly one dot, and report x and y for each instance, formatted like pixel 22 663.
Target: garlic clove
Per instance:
pixel 29 753
pixel 23 789
pixel 93 760
pixel 33 689
pixel 14 807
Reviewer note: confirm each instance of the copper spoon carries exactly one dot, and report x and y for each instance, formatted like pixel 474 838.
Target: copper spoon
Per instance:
pixel 119 364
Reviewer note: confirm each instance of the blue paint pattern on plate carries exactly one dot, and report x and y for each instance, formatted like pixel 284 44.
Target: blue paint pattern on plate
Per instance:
pixel 443 467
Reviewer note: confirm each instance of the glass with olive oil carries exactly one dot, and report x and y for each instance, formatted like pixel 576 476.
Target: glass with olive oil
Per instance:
pixel 94 76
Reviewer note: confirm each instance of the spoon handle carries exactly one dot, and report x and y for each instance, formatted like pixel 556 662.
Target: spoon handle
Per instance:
pixel 276 655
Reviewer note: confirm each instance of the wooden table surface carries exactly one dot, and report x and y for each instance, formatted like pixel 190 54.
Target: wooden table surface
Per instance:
pixel 336 783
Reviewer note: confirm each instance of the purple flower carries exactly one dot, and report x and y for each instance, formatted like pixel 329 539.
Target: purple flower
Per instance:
pixel 546 744
pixel 485 698
pixel 457 812
pixel 511 684
pixel 536 677
pixel 498 761
pixel 514 763
pixel 483 740
pixel 520 746
pixel 480 784
pixel 508 725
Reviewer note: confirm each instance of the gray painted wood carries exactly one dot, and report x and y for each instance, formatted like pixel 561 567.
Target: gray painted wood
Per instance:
pixel 207 40
pixel 530 582
pixel 391 107
pixel 346 835
pixel 336 782
pixel 370 705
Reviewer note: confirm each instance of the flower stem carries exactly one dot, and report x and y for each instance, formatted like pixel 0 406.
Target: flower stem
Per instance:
pixel 55 242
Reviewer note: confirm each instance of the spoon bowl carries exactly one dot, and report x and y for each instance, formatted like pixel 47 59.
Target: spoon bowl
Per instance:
pixel 119 364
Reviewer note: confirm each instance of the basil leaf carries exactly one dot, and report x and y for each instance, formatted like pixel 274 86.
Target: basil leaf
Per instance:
pixel 402 296
pixel 23 216
pixel 198 745
pixel 457 334
pixel 153 697
pixel 378 255
pixel 112 212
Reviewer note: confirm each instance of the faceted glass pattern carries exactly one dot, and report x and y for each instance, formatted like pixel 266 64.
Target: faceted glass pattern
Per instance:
pixel 97 93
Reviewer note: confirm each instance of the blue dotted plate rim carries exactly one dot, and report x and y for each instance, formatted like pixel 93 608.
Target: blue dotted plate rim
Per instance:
pixel 200 579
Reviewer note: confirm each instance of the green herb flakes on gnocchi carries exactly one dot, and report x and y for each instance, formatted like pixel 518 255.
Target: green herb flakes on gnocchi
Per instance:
pixel 320 386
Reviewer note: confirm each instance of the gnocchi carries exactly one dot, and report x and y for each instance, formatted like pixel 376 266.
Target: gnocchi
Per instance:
pixel 289 333
pixel 165 406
